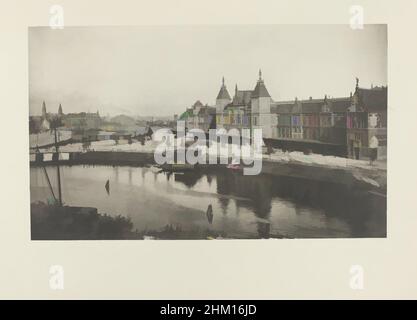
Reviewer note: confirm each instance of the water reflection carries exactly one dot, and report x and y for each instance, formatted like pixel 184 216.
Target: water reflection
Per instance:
pixel 237 206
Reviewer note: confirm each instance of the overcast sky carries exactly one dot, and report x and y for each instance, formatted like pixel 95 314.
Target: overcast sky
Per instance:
pixel 161 70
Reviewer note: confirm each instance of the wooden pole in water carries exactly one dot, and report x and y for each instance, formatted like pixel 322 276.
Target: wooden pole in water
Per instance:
pixel 57 168
pixel 49 182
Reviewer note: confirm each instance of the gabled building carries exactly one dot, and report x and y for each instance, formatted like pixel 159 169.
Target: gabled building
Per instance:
pixel 250 109
pixel 223 98
pixel 73 121
pixel 367 121
pixel 236 114
pixel 82 120
pixel 343 126
pixel 316 124
pixel 282 112
pixel 199 116
pixel 261 108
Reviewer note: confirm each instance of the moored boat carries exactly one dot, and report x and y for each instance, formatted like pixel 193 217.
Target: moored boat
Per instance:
pixel 177 167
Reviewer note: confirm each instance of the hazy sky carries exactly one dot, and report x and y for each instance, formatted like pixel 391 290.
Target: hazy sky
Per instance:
pixel 161 70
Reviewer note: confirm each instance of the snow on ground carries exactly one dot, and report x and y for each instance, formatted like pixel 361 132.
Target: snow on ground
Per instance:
pixel 109 145
pixel 47 137
pixel 278 155
pixel 318 159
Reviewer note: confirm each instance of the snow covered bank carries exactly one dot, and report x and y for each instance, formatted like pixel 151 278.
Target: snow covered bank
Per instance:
pixel 48 137
pixel 277 156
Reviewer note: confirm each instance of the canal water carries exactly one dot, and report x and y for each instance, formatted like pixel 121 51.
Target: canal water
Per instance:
pixel 243 207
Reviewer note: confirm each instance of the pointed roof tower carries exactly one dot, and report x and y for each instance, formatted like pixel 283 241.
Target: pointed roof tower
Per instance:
pixel 260 90
pixel 43 109
pixel 60 113
pixel 223 93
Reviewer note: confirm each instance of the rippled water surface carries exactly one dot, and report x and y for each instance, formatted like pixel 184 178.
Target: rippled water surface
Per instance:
pixel 243 206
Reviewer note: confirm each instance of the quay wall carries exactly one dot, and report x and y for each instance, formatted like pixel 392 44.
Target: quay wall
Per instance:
pixel 313 172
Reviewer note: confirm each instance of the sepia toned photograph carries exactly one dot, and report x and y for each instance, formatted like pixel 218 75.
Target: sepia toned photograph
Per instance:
pixel 208 132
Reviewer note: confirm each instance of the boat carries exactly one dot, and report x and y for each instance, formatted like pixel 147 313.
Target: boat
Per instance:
pixel 234 166
pixel 177 167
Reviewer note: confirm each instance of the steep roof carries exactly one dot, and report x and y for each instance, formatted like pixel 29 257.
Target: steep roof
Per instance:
pixel 311 105
pixel 372 100
pixel 198 103
pixel 186 114
pixel 242 97
pixel 282 107
pixel 206 110
pixel 260 90
pixel 340 104
pixel 223 93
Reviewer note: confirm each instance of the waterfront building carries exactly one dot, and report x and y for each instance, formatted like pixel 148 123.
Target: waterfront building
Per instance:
pixel 223 99
pixel 77 121
pixel 261 108
pixel 367 122
pixel 82 120
pixel 200 116
pixel 318 125
pixel 342 126
pixel 237 113
pixel 248 109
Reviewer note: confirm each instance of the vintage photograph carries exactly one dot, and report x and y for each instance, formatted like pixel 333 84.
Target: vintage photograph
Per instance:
pixel 206 132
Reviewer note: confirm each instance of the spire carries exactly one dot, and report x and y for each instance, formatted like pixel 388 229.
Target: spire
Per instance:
pixel 60 110
pixel 357 82
pixel 260 89
pixel 223 93
pixel 236 89
pixel 43 109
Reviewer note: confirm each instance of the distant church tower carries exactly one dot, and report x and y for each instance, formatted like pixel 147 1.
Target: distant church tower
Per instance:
pixel 60 113
pixel 261 108
pixel 223 98
pixel 43 110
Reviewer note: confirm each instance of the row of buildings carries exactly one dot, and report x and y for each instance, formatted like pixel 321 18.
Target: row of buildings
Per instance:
pixel 71 121
pixel 345 126
pixel 87 127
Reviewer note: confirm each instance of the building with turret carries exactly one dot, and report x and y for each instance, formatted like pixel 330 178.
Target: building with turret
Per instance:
pixel 366 122
pixel 199 116
pixel 60 113
pixel 261 108
pixel 223 98
pixel 78 121
pixel 343 126
pixel 249 109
